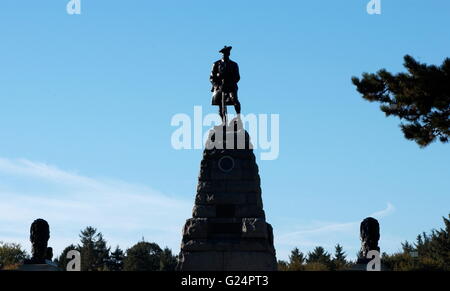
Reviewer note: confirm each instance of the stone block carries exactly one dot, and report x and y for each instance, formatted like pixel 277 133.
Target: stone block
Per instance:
pixel 221 198
pixel 212 186
pixel 205 245
pixel 204 211
pixel 242 185
pixel 196 228
pixel 249 210
pixel 254 197
pixel 249 261
pixel 254 228
pixel 227 261
pixel 200 261
pixel 234 174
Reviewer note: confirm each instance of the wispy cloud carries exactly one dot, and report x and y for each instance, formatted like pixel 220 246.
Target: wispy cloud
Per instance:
pixel 124 212
pixel 385 212
pixel 326 234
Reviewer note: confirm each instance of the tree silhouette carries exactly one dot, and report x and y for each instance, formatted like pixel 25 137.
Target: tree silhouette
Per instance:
pixel 339 261
pixel 143 256
pixel 11 255
pixel 420 98
pixel 93 249
pixel 168 261
pixel 116 259
pixel 296 260
pixel 282 265
pixel 318 260
pixel 431 252
pixel 319 255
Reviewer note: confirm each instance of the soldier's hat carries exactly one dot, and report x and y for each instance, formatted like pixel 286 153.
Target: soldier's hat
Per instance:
pixel 226 49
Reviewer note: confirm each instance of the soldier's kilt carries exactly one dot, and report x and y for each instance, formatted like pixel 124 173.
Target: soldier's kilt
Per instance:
pixel 230 98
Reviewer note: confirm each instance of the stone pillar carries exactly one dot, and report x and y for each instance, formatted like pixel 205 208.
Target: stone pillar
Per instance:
pixel 228 229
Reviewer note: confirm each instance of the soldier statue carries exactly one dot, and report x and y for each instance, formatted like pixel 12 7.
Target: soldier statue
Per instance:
pixel 224 78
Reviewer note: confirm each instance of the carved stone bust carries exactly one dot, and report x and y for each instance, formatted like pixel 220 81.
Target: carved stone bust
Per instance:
pixel 39 236
pixel 370 235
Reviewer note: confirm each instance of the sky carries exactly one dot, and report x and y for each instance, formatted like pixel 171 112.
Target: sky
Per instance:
pixel 86 103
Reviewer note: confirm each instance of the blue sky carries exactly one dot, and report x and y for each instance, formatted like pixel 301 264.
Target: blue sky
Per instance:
pixel 86 103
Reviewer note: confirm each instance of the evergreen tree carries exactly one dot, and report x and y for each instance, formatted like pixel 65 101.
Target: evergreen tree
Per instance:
pixel 420 98
pixel 319 255
pixel 87 249
pixel 296 260
pixel 318 260
pixel 93 249
pixel 339 261
pixel 399 262
pixel 168 261
pixel 102 253
pixel 432 250
pixel 282 265
pixel 116 260
pixel 408 248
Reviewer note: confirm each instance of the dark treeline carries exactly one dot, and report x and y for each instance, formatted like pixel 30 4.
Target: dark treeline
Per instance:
pixel 430 252
pixel 96 255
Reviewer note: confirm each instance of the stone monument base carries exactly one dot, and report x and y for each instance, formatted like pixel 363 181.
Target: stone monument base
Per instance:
pixel 48 266
pixel 228 229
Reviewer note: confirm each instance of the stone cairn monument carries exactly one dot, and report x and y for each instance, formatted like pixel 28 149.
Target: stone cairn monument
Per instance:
pixel 228 229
